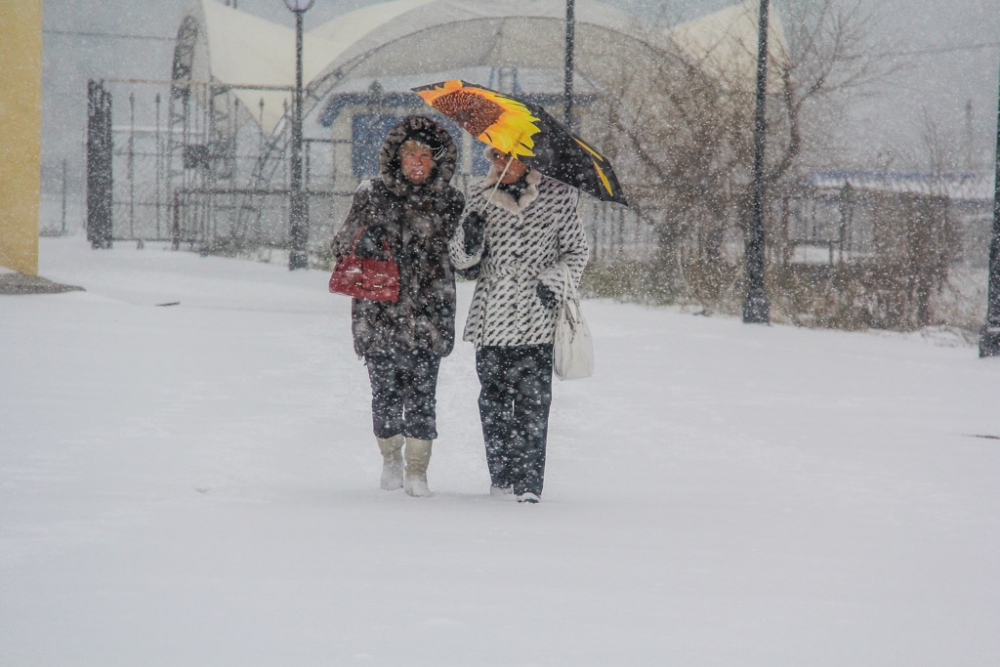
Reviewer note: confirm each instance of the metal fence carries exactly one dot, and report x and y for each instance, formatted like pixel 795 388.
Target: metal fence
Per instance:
pixel 823 225
pixel 185 163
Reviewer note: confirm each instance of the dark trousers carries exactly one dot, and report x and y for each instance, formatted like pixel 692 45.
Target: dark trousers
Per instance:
pixel 404 388
pixel 514 400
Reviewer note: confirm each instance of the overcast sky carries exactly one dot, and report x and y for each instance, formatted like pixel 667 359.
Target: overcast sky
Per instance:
pixel 942 68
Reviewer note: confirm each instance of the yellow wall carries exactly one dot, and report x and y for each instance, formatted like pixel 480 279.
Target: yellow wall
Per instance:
pixel 20 132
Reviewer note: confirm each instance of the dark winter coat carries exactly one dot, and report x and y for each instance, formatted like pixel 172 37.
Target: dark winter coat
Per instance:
pixel 418 222
pixel 527 241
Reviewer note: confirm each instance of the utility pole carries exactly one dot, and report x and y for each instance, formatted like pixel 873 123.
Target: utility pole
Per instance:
pixel 756 307
pixel 989 339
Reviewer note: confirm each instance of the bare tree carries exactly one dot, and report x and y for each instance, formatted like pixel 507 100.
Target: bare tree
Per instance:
pixel 683 145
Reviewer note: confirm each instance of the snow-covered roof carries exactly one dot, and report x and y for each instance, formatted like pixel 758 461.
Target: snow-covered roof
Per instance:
pixel 241 49
pixel 725 43
pixel 958 186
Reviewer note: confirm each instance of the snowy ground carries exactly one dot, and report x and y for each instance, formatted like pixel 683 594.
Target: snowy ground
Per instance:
pixel 197 484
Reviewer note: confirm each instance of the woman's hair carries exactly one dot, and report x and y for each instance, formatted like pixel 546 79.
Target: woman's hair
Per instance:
pixel 412 144
pixel 426 138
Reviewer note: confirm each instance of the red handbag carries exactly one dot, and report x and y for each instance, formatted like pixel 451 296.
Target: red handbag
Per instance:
pixel 364 278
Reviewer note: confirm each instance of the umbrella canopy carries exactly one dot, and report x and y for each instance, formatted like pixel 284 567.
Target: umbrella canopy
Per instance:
pixel 527 132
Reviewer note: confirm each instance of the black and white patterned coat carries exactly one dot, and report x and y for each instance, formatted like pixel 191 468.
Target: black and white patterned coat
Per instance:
pixel 525 242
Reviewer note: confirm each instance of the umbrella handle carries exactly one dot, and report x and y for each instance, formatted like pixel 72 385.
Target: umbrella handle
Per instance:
pixel 490 198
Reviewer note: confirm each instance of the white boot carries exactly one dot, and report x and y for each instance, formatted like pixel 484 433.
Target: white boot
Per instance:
pixel 392 462
pixel 418 455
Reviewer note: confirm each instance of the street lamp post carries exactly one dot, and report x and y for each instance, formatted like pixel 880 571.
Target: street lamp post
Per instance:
pixel 756 307
pixel 298 257
pixel 989 340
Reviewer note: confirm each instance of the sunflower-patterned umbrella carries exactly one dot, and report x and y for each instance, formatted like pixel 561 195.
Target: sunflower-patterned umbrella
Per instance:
pixel 527 132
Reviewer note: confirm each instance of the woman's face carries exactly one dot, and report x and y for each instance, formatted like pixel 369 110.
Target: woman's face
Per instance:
pixel 515 171
pixel 416 162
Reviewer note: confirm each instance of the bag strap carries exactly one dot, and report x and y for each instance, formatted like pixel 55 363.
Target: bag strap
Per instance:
pixel 572 298
pixel 357 238
pixel 569 285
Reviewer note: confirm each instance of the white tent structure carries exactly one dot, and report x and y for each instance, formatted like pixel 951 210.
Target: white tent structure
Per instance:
pixel 256 57
pixel 226 46
pixel 724 44
pixel 405 37
pixel 241 69
pixel 245 64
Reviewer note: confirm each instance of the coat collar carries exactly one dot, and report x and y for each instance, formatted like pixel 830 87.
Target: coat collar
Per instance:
pixel 503 199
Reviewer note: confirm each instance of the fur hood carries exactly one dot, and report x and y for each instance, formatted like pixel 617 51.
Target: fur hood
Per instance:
pixel 426 131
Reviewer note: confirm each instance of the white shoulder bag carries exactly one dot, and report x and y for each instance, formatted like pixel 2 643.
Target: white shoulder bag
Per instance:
pixel 573 348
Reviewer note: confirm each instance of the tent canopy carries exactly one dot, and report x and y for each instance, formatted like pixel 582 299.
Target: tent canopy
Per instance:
pixel 650 93
pixel 724 44
pixel 239 49
pixel 401 38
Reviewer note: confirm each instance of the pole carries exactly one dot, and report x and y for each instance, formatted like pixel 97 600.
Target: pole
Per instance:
pixel 568 85
pixel 64 199
pixel 159 167
pixel 175 235
pixel 107 171
pixel 131 167
pixel 989 339
pixel 298 209
pixel 99 166
pixel 756 307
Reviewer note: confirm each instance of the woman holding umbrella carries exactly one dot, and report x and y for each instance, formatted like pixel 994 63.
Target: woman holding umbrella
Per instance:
pixel 521 236
pixel 411 210
pixel 523 229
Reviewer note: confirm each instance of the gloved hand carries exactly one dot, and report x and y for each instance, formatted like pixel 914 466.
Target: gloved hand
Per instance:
pixel 473 226
pixel 546 296
pixel 370 245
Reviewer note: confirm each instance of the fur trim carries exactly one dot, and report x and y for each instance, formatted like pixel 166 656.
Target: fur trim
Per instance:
pixel 423 129
pixel 503 199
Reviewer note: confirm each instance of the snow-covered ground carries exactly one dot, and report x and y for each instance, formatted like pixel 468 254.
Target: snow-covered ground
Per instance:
pixel 197 484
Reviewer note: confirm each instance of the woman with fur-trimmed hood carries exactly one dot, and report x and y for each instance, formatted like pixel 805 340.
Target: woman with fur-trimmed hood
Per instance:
pixel 520 234
pixel 411 207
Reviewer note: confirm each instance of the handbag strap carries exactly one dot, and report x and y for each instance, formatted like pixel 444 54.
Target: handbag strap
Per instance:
pixel 570 286
pixel 571 305
pixel 357 238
